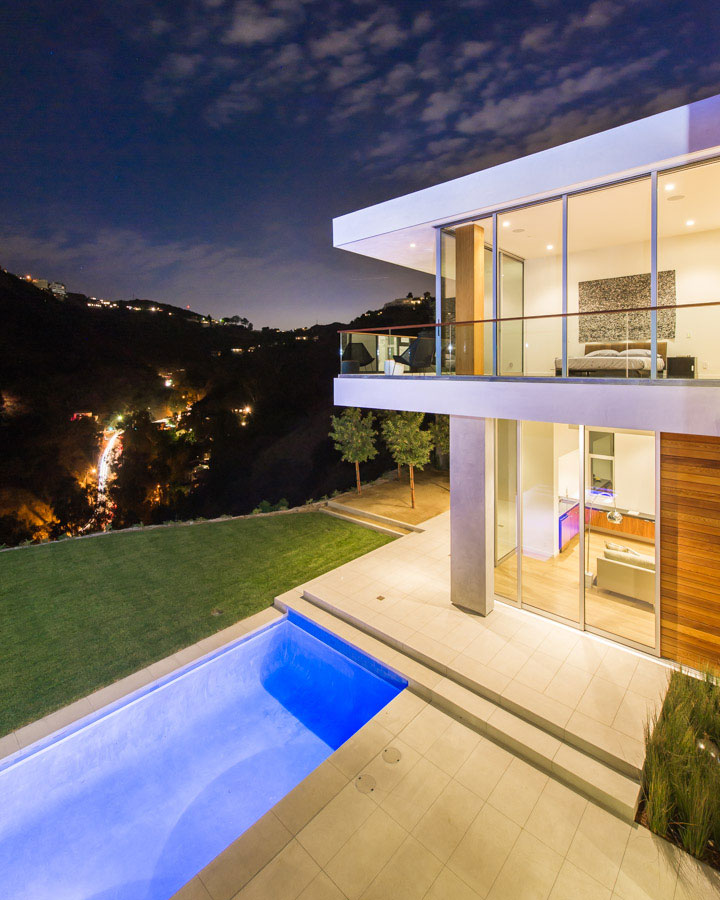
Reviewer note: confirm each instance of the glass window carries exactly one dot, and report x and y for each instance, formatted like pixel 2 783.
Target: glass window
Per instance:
pixel 466 271
pixel 506 574
pixel 609 269
pixel 689 270
pixel 551 518
pixel 447 301
pixel 620 534
pixel 530 261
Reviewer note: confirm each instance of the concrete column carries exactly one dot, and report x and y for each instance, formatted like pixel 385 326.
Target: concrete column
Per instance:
pixel 472 524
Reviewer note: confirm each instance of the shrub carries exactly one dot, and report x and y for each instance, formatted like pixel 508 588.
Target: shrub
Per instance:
pixel 681 784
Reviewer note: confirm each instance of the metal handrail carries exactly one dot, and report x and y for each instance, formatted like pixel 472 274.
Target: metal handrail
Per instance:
pixel 599 312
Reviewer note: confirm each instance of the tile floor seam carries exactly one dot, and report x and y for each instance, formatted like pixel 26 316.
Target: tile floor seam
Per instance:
pixel 507 857
pixel 622 860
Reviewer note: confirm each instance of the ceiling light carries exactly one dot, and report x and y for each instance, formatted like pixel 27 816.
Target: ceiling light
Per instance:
pixel 518 230
pixel 413 245
pixel 670 187
pixel 690 222
pixel 550 247
pixel 676 197
pixel 506 224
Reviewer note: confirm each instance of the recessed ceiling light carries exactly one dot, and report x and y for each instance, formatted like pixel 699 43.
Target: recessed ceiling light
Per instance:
pixel 690 222
pixel 550 247
pixel 506 224
pixel 676 197
pixel 670 187
pixel 413 245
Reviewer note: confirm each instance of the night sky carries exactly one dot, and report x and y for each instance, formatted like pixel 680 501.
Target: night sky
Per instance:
pixel 195 151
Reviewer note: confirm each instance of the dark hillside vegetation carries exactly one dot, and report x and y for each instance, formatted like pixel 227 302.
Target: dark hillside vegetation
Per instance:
pixel 215 418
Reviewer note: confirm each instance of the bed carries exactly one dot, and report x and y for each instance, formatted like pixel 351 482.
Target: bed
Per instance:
pixel 628 358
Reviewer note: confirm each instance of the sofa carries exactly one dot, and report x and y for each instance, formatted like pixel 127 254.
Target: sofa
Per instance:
pixel 627 572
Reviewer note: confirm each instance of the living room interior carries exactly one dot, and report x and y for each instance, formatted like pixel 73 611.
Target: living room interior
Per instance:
pixel 575 517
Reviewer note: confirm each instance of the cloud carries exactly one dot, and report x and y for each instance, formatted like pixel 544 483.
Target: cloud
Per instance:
pixel 171 81
pixel 258 23
pixel 414 89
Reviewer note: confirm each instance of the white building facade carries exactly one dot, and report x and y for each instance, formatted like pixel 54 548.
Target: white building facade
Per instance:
pixel 575 348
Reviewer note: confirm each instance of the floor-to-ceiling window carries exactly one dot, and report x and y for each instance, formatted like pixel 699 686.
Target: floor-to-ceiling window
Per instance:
pixel 609 262
pixel 550 497
pixel 506 512
pixel 530 284
pixel 579 505
pixel 688 259
pixel 467 296
pixel 620 533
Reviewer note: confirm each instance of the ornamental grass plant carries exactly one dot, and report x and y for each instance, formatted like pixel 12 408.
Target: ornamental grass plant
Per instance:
pixel 681 783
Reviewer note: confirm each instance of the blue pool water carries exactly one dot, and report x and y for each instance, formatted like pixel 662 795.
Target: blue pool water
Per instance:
pixel 132 802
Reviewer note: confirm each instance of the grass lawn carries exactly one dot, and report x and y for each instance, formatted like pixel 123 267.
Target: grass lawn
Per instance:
pixel 80 614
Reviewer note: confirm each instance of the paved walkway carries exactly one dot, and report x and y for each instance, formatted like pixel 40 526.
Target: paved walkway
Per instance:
pixel 577 681
pixel 391 498
pixel 454 818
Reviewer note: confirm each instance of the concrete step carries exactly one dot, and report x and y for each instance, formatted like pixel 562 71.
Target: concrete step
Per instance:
pixel 375 517
pixel 615 791
pixel 364 522
pixel 607 746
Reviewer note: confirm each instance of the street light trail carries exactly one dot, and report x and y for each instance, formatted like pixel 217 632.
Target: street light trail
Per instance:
pixel 104 465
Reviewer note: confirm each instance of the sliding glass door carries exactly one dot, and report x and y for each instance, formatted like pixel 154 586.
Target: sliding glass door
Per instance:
pixel 578 504
pixel 550 505
pixel 506 512
pixel 620 533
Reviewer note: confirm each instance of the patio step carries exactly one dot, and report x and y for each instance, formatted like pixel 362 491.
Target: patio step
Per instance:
pixel 365 521
pixel 375 517
pixel 602 783
pixel 593 739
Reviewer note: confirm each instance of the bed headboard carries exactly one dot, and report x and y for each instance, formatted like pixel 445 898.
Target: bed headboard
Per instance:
pixel 629 345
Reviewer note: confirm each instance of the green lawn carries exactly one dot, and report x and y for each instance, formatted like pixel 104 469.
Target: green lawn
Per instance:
pixel 80 614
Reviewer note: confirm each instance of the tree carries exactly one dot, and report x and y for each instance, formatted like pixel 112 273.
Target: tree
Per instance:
pixel 354 438
pixel 408 444
pixel 440 430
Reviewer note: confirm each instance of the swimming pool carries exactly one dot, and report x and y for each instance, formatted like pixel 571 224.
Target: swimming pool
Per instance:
pixel 130 803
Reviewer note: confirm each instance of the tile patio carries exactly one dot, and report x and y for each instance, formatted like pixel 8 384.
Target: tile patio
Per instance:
pixel 456 818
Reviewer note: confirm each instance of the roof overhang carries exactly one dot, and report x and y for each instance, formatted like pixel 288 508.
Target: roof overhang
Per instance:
pixel 388 230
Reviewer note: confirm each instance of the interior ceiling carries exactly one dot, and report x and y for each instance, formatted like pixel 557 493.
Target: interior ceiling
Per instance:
pixel 602 218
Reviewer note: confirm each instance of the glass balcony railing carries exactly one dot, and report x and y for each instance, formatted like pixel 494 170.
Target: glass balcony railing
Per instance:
pixel 607 344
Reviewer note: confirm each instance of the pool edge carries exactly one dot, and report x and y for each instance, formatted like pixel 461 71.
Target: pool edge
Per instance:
pixel 62 722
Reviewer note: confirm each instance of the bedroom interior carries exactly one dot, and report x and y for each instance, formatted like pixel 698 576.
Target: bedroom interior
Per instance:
pixel 609 264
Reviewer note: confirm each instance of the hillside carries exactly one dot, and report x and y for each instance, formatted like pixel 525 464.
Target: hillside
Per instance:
pixel 134 364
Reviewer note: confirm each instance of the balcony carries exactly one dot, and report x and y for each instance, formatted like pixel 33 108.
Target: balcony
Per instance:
pixel 664 343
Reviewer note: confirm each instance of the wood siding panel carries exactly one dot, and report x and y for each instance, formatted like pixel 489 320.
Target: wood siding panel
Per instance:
pixel 690 549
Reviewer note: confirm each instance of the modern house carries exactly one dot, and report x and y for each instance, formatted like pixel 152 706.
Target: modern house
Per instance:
pixel 576 349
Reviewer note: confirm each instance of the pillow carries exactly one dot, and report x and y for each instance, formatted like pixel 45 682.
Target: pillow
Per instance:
pixel 630 559
pixel 620 548
pixel 603 353
pixel 636 351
